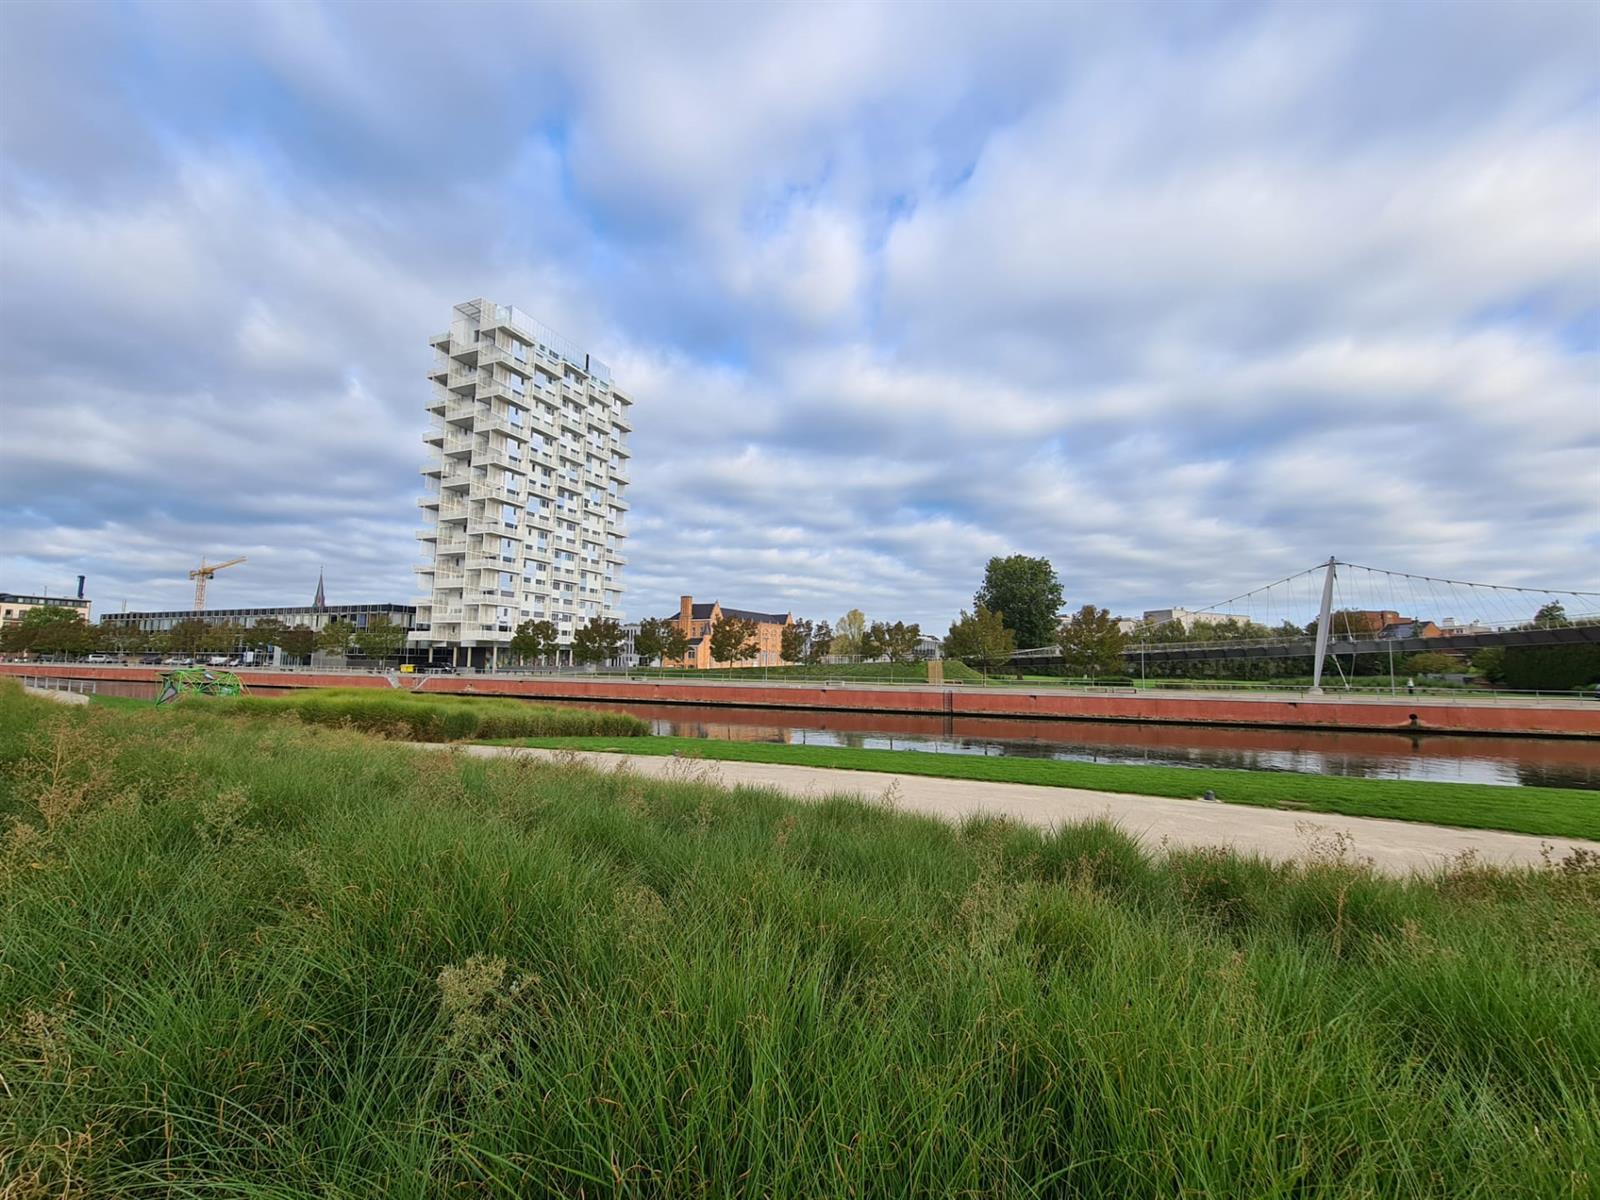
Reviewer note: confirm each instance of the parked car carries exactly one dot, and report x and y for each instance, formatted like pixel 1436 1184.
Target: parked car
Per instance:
pixel 101 658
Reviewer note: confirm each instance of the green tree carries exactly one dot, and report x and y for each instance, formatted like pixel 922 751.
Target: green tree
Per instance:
pixel 650 640
pixel 674 643
pixel 796 638
pixel 50 629
pixel 874 642
pixel 298 642
pixel 222 637
pixel 1490 663
pixel 981 639
pixel 264 634
pixel 1026 592
pixel 1431 662
pixel 187 637
pixel 847 634
pixel 820 645
pixel 381 638
pixel 334 637
pixel 124 637
pixel 534 640
pixel 1091 644
pixel 900 641
pixel 598 641
pixel 1552 614
pixel 733 640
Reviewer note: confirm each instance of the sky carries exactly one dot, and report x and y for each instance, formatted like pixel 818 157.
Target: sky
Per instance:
pixel 1183 297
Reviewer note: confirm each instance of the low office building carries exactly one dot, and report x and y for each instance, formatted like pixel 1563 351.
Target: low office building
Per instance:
pixel 313 617
pixel 13 606
pixel 1188 618
pixel 697 621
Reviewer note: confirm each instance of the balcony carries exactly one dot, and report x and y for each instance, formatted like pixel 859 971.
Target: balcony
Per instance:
pixel 482 456
pixel 490 421
pixel 461 378
pixel 427 502
pixel 502 495
pixel 430 534
pixel 434 436
pixel 422 568
pixel 452 512
pixel 439 337
pixel 458 443
pixel 448 580
pixel 476 525
pixel 460 410
pixel 619 418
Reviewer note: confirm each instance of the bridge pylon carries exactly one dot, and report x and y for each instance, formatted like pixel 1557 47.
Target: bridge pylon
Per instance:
pixel 1324 622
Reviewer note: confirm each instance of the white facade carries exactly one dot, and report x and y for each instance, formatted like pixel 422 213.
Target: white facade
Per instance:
pixel 525 480
pixel 1188 619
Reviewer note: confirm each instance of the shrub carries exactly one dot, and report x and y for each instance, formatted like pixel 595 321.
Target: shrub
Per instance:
pixel 440 718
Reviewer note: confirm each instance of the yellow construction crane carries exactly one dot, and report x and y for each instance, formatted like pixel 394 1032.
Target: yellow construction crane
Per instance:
pixel 202 573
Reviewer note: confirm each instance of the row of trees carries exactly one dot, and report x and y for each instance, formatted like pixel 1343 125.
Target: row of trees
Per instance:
pixel 63 631
pixel 598 641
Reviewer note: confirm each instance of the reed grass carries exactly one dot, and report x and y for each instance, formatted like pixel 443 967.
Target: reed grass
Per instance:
pixel 251 958
pixel 424 717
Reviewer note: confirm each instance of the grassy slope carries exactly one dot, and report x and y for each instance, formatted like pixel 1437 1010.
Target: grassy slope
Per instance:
pixel 1555 812
pixel 255 958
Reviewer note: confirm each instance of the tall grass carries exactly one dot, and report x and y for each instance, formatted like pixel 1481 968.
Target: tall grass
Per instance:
pixel 438 718
pixel 261 959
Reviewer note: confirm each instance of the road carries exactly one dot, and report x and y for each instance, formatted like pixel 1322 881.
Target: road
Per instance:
pixel 1392 847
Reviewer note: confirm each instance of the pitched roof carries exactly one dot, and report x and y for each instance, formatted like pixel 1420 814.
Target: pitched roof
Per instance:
pixel 702 612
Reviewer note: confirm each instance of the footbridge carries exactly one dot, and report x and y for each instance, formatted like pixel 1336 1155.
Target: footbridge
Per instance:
pixel 1354 609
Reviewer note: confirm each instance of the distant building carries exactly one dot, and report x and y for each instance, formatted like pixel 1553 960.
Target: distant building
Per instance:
pixel 1410 627
pixel 696 621
pixel 1189 619
pixel 311 616
pixel 929 648
pixel 1126 624
pixel 13 607
pixel 1450 625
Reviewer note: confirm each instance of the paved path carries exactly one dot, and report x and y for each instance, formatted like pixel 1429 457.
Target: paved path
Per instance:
pixel 1394 847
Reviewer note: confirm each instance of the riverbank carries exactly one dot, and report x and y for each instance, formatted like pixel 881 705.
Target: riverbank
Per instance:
pixel 1473 715
pixel 1554 812
pixel 1391 847
pixel 254 956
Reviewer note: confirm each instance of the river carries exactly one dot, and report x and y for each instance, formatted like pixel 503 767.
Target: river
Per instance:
pixel 1507 761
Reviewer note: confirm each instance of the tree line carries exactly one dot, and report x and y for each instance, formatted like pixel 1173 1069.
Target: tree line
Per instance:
pixel 53 630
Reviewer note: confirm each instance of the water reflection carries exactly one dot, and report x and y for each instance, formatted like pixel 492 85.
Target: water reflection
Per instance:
pixel 1531 762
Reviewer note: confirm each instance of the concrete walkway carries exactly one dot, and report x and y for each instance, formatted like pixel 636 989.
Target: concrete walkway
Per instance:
pixel 1393 847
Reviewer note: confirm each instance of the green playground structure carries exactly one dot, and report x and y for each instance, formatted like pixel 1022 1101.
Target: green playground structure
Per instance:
pixel 199 681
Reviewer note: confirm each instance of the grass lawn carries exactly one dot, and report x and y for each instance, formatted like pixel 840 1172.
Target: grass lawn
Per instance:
pixel 249 957
pixel 1555 812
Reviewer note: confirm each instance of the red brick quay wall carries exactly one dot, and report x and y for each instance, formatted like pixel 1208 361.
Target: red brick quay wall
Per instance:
pixel 1391 714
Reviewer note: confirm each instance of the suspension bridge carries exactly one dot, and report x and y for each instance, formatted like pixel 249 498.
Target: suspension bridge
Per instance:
pixel 1339 608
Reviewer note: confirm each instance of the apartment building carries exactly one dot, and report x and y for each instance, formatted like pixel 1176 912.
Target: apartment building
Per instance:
pixel 526 472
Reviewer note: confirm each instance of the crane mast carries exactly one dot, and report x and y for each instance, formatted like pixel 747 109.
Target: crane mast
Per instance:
pixel 202 574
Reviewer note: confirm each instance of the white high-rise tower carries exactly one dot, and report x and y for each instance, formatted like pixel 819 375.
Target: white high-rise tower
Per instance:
pixel 524 486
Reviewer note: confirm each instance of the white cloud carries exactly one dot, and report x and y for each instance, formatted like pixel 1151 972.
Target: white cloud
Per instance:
pixel 1184 299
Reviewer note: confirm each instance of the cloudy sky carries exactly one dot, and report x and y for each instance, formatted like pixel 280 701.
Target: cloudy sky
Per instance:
pixel 1183 296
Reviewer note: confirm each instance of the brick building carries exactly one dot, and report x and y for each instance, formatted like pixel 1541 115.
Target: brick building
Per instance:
pixel 697 620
